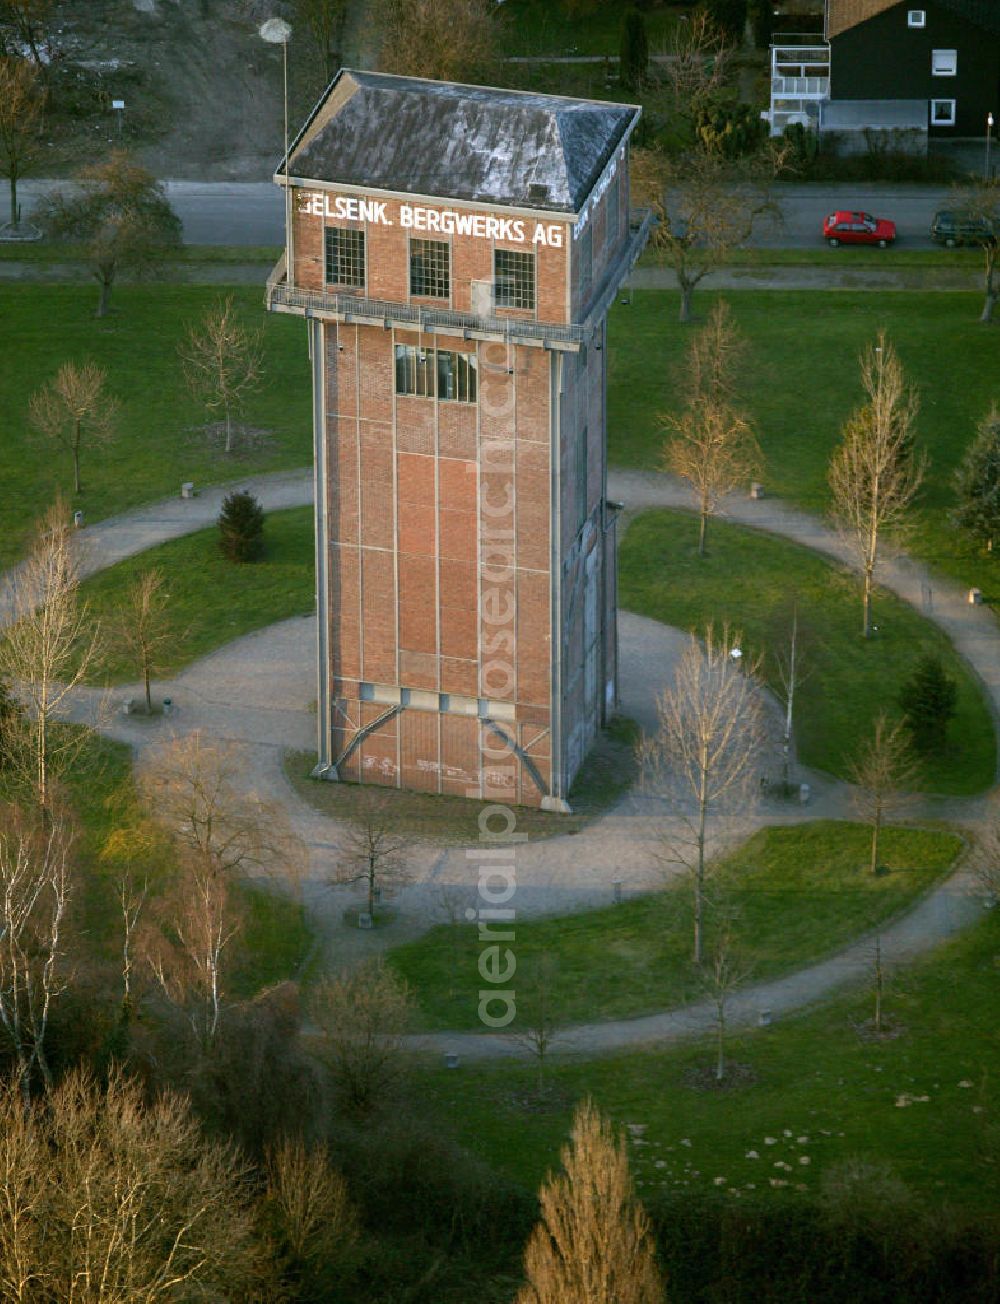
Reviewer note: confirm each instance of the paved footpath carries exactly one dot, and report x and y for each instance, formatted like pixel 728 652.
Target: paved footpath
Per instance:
pixel 259 692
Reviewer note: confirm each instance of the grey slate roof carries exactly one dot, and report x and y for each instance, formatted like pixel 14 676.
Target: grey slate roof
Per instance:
pixel 470 143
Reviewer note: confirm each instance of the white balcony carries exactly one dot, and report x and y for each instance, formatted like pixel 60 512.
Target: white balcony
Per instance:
pixel 800 88
pixel 800 82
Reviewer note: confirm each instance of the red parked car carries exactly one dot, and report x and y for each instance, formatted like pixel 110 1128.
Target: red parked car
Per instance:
pixel 858 228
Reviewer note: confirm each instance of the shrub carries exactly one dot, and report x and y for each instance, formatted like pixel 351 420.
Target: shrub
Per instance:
pixel 732 130
pixel 803 146
pixel 241 527
pixel 928 703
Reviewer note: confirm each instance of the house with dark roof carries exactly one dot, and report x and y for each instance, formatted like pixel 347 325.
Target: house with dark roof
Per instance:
pixel 454 251
pixel 942 54
pixel 926 68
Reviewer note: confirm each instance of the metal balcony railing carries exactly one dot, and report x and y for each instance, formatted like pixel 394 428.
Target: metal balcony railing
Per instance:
pixel 811 88
pixel 282 297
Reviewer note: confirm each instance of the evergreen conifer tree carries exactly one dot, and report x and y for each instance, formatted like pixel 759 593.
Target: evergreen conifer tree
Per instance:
pixel 241 527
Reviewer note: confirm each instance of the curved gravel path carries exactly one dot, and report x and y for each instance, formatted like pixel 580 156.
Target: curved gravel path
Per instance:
pixel 260 692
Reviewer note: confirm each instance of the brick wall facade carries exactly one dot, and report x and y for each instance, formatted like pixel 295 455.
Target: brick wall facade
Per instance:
pixel 469 559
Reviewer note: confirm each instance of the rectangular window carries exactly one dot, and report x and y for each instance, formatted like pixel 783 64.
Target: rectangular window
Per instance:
pixel 345 257
pixel 429 269
pixel 414 371
pixel 456 376
pixel 916 18
pixel 458 705
pixel 944 63
pixel 440 373
pixel 942 113
pixel 514 278
pixel 387 693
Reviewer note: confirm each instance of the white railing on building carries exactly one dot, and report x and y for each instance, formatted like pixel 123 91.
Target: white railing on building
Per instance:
pixel 800 80
pixel 813 88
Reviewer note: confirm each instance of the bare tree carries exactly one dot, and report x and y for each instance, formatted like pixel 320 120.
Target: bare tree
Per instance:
pixel 789 655
pixel 35 882
pixel 144 625
pixel 136 854
pixel 882 773
pixel 697 67
pixel 121 213
pixel 223 836
pixel 363 1016
pixel 715 363
pixel 979 205
pixel 712 445
pixel 49 646
pixel 131 899
pixel 324 21
pixel 192 790
pixel 371 853
pixel 705 207
pixel 119 1200
pixel 593 1243
pixel 309 1223
pixel 188 947
pixel 22 104
pixel 540 1028
pixel 707 746
pixel 74 411
pixel 446 40
pixel 874 474
pixel 223 363
pixel 720 976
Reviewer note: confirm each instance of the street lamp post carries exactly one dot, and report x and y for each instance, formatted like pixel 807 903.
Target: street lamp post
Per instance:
pixel 277 32
pixel 989 142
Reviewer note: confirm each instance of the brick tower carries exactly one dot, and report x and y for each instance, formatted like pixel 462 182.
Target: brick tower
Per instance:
pixel 455 250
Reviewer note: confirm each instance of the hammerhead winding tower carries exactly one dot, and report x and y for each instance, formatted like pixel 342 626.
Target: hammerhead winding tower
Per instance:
pixel 455 250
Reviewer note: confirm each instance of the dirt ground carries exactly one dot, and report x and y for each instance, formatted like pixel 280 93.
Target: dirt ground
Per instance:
pixel 202 90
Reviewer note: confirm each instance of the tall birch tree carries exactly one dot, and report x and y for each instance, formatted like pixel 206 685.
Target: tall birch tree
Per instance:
pixel 875 473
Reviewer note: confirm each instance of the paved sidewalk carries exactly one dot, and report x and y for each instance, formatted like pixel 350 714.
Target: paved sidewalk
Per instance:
pixel 111 540
pixel 973 629
pixel 941 915
pixel 259 692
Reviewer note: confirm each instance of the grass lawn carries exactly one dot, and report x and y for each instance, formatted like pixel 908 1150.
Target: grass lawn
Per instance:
pixel 605 776
pixel 158 444
pixel 212 600
pixel 802 382
pixel 799 892
pixel 277 937
pixel 849 680
pixel 925 1100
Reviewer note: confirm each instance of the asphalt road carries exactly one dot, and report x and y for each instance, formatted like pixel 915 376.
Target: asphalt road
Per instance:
pixel 250 213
